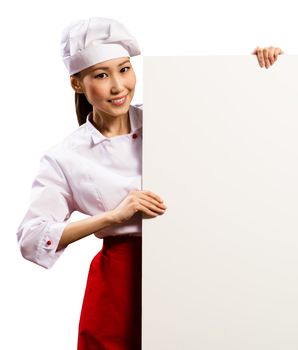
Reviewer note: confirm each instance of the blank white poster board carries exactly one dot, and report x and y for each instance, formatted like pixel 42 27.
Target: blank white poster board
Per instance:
pixel 220 267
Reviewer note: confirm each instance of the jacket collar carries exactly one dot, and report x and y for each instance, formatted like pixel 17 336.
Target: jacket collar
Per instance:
pixel 135 117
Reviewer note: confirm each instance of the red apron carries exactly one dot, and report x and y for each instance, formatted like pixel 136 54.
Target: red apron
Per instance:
pixel 111 311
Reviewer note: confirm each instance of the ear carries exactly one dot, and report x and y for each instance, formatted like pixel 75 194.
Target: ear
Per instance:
pixel 76 84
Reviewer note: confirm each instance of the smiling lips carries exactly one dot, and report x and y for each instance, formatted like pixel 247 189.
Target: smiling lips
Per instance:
pixel 119 101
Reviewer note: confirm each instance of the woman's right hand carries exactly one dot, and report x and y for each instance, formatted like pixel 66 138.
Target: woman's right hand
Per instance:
pixel 150 204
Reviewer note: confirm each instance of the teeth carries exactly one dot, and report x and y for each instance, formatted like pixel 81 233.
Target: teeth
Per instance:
pixel 119 101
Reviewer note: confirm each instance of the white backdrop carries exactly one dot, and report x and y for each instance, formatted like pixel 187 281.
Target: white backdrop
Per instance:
pixel 40 308
pixel 220 267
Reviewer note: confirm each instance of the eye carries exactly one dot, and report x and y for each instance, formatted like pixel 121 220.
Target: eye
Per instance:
pixel 126 67
pixel 100 75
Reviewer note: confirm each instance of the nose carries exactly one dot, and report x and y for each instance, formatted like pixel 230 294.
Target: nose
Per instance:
pixel 117 84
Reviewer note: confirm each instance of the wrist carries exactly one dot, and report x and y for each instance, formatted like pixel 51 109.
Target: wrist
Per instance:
pixel 111 217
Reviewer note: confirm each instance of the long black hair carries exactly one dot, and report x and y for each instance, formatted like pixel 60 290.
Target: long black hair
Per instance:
pixel 83 107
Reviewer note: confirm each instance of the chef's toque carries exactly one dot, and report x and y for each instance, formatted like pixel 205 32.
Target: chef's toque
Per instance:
pixel 88 42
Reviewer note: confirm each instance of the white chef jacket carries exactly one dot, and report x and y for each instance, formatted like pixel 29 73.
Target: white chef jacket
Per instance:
pixel 86 172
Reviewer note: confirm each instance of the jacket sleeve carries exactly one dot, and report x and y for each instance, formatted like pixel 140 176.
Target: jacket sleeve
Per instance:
pixel 51 204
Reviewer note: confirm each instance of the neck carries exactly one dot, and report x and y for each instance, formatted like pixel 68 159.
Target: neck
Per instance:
pixel 111 126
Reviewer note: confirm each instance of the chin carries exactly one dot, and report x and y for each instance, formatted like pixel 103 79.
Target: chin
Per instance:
pixel 118 111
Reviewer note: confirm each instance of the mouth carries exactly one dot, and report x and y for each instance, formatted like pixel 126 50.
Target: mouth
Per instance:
pixel 118 101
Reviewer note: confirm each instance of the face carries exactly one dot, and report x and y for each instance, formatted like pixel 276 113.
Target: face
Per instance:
pixel 106 82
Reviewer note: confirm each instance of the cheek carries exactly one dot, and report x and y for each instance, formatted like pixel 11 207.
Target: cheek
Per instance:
pixel 132 81
pixel 97 93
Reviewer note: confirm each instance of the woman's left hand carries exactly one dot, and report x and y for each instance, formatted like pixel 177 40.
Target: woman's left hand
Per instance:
pixel 267 56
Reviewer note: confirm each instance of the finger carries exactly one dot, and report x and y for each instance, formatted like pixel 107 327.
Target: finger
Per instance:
pixel 277 51
pixel 265 55
pixel 144 196
pixel 260 57
pixel 147 211
pixel 146 216
pixel 154 201
pixel 153 195
pixel 271 51
pixel 148 195
pixel 151 206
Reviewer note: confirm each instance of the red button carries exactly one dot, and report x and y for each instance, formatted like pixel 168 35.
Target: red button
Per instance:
pixel 49 242
pixel 134 136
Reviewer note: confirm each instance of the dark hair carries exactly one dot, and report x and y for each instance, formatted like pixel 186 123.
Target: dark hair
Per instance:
pixel 83 107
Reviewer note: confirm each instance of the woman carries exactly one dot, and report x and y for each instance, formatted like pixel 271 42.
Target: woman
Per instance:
pixel 97 170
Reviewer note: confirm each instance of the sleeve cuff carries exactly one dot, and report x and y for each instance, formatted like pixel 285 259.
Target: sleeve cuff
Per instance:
pixel 46 251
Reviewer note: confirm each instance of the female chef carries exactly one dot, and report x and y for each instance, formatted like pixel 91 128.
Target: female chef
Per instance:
pixel 97 170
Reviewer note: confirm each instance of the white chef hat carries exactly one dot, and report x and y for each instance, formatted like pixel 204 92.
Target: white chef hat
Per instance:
pixel 88 42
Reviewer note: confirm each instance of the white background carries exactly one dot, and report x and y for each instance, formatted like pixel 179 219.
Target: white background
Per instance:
pixel 40 308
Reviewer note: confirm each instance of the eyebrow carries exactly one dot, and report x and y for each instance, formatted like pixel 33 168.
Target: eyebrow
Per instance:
pixel 107 68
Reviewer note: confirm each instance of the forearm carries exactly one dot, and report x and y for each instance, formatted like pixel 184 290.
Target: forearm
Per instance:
pixel 83 228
